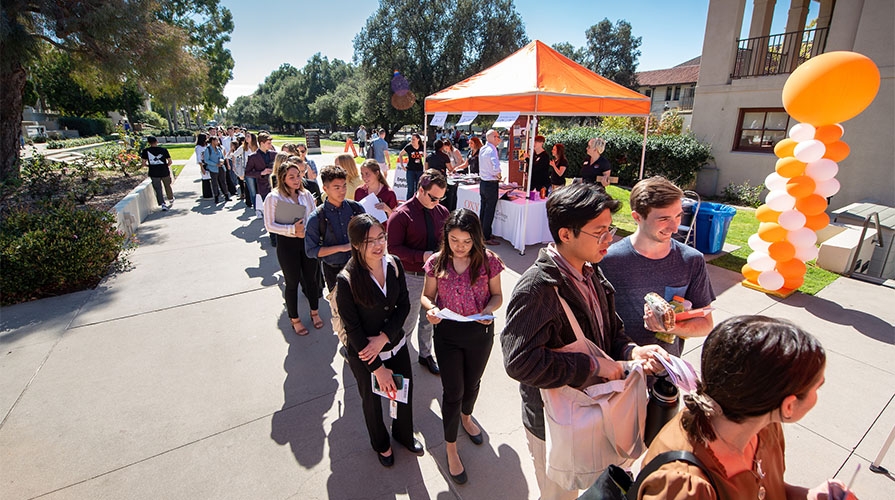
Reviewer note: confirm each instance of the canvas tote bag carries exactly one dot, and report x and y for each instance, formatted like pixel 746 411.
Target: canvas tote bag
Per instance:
pixel 587 431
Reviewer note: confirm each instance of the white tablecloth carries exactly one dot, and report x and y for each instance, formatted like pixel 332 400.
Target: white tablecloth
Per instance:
pixel 509 218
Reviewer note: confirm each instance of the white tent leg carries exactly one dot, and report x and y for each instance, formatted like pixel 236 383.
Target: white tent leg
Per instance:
pixel 529 146
pixel 643 151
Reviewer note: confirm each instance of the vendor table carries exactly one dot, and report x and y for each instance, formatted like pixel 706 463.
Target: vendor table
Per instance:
pixel 509 218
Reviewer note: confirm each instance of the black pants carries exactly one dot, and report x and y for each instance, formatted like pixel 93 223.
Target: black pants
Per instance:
pixel 219 183
pixel 489 192
pixel 298 269
pixel 329 274
pixel 463 350
pixel 402 427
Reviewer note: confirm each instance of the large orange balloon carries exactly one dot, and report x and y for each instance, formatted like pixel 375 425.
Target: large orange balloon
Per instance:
pixel 789 167
pixel 782 251
pixel 801 186
pixel 811 205
pixel 831 88
pixel 829 133
pixel 771 232
pixel 816 222
pixel 793 283
pixel 786 147
pixel 837 151
pixel 792 268
pixel 749 273
pixel 765 214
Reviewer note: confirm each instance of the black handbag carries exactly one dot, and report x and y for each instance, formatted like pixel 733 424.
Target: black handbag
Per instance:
pixel 616 484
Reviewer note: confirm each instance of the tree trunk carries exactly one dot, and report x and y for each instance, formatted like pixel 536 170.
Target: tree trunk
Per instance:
pixel 13 84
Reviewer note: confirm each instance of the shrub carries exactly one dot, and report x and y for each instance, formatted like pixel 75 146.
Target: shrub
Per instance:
pixel 677 157
pixel 117 157
pixel 743 194
pixel 87 127
pixel 39 139
pixel 71 143
pixel 55 248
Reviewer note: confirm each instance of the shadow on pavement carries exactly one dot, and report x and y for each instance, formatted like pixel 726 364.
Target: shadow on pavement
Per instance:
pixel 869 325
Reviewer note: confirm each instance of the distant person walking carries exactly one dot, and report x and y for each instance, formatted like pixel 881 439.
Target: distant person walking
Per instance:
pixel 362 138
pixel 380 152
pixel 158 160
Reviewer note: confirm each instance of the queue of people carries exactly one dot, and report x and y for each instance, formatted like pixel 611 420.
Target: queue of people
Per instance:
pixel 387 279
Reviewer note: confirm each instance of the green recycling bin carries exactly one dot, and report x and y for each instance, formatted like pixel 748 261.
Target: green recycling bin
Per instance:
pixel 712 223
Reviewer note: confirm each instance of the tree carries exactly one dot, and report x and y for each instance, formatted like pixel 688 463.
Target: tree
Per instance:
pixel 110 42
pixel 612 51
pixel 569 50
pixel 434 45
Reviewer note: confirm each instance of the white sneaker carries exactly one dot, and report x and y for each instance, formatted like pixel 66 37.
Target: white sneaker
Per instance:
pixel 164 208
pixel 170 202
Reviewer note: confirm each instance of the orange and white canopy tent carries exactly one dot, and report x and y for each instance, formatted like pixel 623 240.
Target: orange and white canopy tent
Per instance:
pixel 538 81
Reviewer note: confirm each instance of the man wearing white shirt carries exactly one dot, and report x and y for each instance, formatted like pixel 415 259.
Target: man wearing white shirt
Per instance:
pixel 489 171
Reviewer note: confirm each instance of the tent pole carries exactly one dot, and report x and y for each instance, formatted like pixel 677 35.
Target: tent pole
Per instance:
pixel 643 151
pixel 529 146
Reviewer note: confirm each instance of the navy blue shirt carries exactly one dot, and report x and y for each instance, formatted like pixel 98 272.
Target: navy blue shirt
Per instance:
pixel 337 219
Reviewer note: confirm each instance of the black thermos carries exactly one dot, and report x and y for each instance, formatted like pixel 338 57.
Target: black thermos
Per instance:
pixel 662 407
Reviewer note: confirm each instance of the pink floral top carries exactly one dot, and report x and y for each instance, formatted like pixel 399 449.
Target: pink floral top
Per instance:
pixel 455 292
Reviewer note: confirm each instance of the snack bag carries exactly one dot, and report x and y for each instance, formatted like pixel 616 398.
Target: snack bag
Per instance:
pixel 664 312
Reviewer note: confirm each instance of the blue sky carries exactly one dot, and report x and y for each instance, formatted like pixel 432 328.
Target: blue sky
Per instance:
pixel 273 32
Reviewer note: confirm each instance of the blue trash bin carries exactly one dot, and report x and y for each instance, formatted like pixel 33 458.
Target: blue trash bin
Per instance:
pixel 712 223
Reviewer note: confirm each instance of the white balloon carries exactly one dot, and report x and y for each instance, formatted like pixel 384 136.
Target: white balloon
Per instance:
pixel 809 151
pixel 822 169
pixel 780 200
pixel 761 261
pixel 806 253
pixel 770 280
pixel 775 182
pixel 827 188
pixel 792 220
pixel 802 132
pixel 759 245
pixel 802 237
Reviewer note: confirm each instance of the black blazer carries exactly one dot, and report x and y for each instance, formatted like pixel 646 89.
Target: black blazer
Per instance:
pixel 387 315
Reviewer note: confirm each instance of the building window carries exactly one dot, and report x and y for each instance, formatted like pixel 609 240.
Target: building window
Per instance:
pixel 668 93
pixel 648 92
pixel 760 129
pixel 677 93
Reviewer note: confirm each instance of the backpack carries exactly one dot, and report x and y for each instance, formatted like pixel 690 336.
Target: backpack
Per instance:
pixel 370 152
pixel 336 320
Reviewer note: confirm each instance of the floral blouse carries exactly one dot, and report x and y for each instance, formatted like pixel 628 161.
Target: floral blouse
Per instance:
pixel 456 293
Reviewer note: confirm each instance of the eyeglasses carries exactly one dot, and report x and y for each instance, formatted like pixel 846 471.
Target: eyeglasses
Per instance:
pixel 379 240
pixel 435 199
pixel 604 236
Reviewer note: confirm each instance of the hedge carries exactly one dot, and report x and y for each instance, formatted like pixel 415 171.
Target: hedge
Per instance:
pixel 677 157
pixel 86 127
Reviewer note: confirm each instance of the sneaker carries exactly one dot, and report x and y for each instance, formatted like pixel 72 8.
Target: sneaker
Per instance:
pixel 170 202
pixel 164 208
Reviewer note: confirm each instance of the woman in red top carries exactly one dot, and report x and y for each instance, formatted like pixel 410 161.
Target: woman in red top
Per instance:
pixel 465 278
pixel 375 183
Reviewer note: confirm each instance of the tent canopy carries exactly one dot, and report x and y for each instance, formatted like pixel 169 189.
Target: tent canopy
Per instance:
pixel 537 80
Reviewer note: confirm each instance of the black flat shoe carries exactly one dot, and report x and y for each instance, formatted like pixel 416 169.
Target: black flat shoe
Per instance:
pixel 387 461
pixel 415 447
pixel 477 439
pixel 430 364
pixel 459 478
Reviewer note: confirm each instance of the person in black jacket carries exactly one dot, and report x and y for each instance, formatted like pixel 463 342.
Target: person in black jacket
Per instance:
pixel 372 299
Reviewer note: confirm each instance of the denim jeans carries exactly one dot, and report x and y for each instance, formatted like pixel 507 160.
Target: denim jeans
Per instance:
pixel 413 179
pixel 252 188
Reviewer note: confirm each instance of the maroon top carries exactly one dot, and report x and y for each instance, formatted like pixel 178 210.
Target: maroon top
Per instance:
pixel 386 195
pixel 407 233
pixel 457 293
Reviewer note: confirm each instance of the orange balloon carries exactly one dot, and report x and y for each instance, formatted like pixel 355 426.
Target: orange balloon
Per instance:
pixel 793 268
pixel 789 167
pixel 829 133
pixel 831 88
pixel 765 214
pixel 817 222
pixel 801 186
pixel 785 147
pixel 750 274
pixel 811 205
pixel 793 283
pixel 771 232
pixel 837 151
pixel 782 251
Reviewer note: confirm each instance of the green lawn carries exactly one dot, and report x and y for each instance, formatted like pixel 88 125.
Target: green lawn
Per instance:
pixel 280 139
pixel 743 225
pixel 180 151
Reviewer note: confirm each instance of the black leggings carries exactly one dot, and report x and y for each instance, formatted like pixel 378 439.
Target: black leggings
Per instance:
pixel 298 268
pixel 463 350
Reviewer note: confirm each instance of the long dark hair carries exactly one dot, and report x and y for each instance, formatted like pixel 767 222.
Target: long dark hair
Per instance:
pixel 201 139
pixel 560 153
pixel 361 284
pixel 464 220
pixel 750 364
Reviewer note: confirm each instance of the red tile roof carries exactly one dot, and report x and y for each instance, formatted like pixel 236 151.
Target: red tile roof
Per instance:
pixel 670 76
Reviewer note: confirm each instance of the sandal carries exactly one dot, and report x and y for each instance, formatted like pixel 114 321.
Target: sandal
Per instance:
pixel 299 328
pixel 315 318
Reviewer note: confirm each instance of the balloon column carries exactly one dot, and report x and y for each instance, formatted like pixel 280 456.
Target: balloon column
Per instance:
pixel 824 91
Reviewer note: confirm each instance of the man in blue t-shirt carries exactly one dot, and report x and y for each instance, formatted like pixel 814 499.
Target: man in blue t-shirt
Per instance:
pixel 380 152
pixel 650 260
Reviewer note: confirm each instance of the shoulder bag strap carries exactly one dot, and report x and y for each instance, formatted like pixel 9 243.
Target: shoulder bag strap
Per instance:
pixel 576 327
pixel 666 458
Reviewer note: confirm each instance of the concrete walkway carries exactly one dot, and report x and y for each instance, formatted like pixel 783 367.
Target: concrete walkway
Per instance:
pixel 181 379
